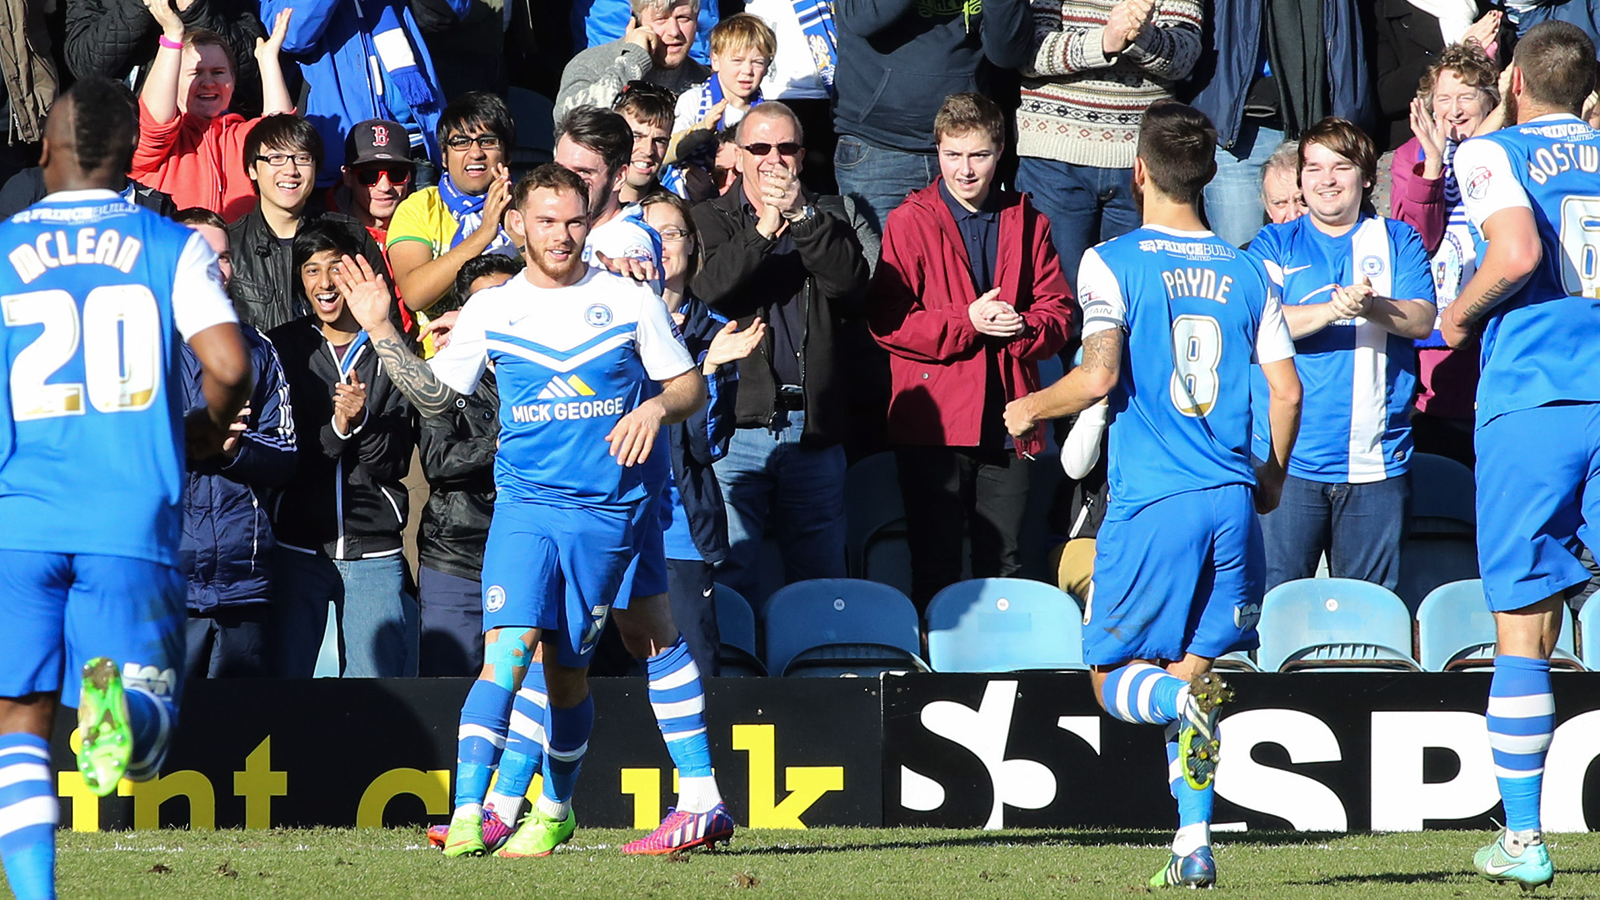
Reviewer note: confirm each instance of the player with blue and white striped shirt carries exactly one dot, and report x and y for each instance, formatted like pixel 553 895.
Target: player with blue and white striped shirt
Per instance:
pixel 1533 191
pixel 1356 294
pixel 95 292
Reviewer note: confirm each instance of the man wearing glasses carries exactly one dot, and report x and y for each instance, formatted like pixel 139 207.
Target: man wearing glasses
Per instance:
pixel 436 230
pixel 281 156
pixel 775 250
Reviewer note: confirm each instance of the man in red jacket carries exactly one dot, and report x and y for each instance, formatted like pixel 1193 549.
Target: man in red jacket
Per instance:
pixel 969 296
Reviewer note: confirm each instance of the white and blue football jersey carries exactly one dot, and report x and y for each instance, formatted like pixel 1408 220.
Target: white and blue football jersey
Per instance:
pixel 94 292
pixel 625 235
pixel 1358 378
pixel 1197 312
pixel 569 362
pixel 1542 344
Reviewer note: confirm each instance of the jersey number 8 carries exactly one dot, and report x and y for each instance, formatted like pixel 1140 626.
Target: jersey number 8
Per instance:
pixel 1580 244
pixel 121 338
pixel 1196 351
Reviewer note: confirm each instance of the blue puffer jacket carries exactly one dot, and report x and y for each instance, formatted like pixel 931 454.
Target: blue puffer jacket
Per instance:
pixel 699 522
pixel 226 535
pixel 332 40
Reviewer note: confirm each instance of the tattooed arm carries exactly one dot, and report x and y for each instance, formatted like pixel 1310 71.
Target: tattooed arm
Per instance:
pixel 369 300
pixel 1082 388
pixel 1513 252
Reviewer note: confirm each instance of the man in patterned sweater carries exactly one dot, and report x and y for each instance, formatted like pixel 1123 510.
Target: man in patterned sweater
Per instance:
pixel 1096 66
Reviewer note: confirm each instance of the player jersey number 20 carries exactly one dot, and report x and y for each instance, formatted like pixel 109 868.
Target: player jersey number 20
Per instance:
pixel 1196 352
pixel 119 335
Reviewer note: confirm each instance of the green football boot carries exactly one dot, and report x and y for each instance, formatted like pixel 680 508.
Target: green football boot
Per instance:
pixel 539 835
pixel 465 837
pixel 1198 747
pixel 1528 869
pixel 107 741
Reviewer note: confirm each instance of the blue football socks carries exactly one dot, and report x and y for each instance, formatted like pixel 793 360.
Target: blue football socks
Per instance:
pixel 28 815
pixel 1522 717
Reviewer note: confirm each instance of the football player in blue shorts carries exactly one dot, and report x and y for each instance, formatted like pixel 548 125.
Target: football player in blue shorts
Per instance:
pixel 574 350
pixel 94 292
pixel 1533 192
pixel 1173 318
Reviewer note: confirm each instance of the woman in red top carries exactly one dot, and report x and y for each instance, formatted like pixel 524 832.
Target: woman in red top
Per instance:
pixel 190 146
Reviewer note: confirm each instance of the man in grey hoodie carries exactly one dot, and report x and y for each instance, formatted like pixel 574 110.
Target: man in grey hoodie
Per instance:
pixel 654 49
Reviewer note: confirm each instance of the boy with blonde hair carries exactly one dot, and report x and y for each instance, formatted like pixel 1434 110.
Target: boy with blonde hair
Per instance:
pixel 742 47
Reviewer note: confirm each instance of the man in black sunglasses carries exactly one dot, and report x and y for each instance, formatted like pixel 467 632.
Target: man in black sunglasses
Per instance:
pixel 378 174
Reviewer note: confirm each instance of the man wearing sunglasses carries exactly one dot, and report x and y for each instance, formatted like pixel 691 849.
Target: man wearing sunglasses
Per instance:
pixel 378 173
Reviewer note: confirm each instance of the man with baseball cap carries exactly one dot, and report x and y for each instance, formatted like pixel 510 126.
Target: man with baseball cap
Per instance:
pixel 378 174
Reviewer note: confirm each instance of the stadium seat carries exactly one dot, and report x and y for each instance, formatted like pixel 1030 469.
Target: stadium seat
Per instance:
pixel 1334 623
pixel 888 558
pixel 736 622
pixel 1428 562
pixel 1589 625
pixel 872 508
pixel 841 626
pixel 1237 661
pixel 1004 625
pixel 1455 631
pixel 1443 497
pixel 536 142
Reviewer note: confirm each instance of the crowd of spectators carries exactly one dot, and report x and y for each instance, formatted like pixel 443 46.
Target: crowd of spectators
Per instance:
pixel 866 217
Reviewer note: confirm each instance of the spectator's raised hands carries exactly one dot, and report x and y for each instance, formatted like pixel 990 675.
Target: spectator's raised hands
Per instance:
pixel 230 444
pixel 994 317
pixel 273 45
pixel 731 345
pixel 1485 32
pixel 364 292
pixel 1127 20
pixel 166 17
pixel 349 404
pixel 1431 136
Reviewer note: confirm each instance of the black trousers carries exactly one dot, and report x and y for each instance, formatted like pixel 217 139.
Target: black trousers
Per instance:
pixel 951 493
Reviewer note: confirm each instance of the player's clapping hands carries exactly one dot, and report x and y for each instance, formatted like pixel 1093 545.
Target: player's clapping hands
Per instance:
pixel 364 291
pixel 731 345
pixel 995 317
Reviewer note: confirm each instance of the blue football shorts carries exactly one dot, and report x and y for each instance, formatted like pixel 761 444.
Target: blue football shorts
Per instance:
pixel 1538 497
pixel 558 569
pixel 647 571
pixel 60 610
pixel 1182 575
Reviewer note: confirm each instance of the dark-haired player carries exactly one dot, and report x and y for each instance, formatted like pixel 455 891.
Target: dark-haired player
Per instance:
pixel 1173 319
pixel 1533 192
pixel 94 291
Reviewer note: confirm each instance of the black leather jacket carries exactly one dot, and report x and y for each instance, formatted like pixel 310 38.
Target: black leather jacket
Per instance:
pixel 265 288
pixel 458 451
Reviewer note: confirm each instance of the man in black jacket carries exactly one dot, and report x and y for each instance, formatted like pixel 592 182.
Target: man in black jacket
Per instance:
pixel 775 251
pixel 458 451
pixel 339 520
pixel 282 155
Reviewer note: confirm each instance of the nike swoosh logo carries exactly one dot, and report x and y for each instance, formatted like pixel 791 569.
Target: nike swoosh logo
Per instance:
pixel 1494 869
pixel 1288 272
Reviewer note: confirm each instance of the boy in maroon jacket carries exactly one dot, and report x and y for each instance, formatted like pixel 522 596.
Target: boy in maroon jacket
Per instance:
pixel 968 297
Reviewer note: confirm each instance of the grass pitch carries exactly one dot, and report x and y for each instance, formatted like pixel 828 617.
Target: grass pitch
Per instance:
pixel 394 864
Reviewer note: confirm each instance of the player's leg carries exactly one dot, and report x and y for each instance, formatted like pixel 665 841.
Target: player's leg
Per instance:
pixel 34 586
pixel 480 739
pixel 1532 500
pixel 677 697
pixel 126 627
pixel 525 741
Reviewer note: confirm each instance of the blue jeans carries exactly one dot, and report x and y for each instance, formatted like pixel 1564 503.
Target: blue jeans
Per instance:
pixel 377 621
pixel 766 476
pixel 1085 205
pixel 879 178
pixel 1360 526
pixel 1233 198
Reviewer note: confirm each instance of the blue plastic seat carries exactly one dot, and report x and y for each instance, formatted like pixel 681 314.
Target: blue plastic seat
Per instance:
pixel 1004 625
pixel 1589 622
pixel 736 623
pixel 1443 497
pixel 1334 623
pixel 1428 562
pixel 877 621
pixel 872 507
pixel 1456 632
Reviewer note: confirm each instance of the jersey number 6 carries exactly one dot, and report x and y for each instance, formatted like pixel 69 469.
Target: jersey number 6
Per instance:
pixel 121 339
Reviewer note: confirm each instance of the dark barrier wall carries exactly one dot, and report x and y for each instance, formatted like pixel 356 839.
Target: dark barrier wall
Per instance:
pixel 1323 752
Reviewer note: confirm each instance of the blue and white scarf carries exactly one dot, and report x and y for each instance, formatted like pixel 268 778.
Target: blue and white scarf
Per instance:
pixel 816 20
pixel 468 212
pixel 394 52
